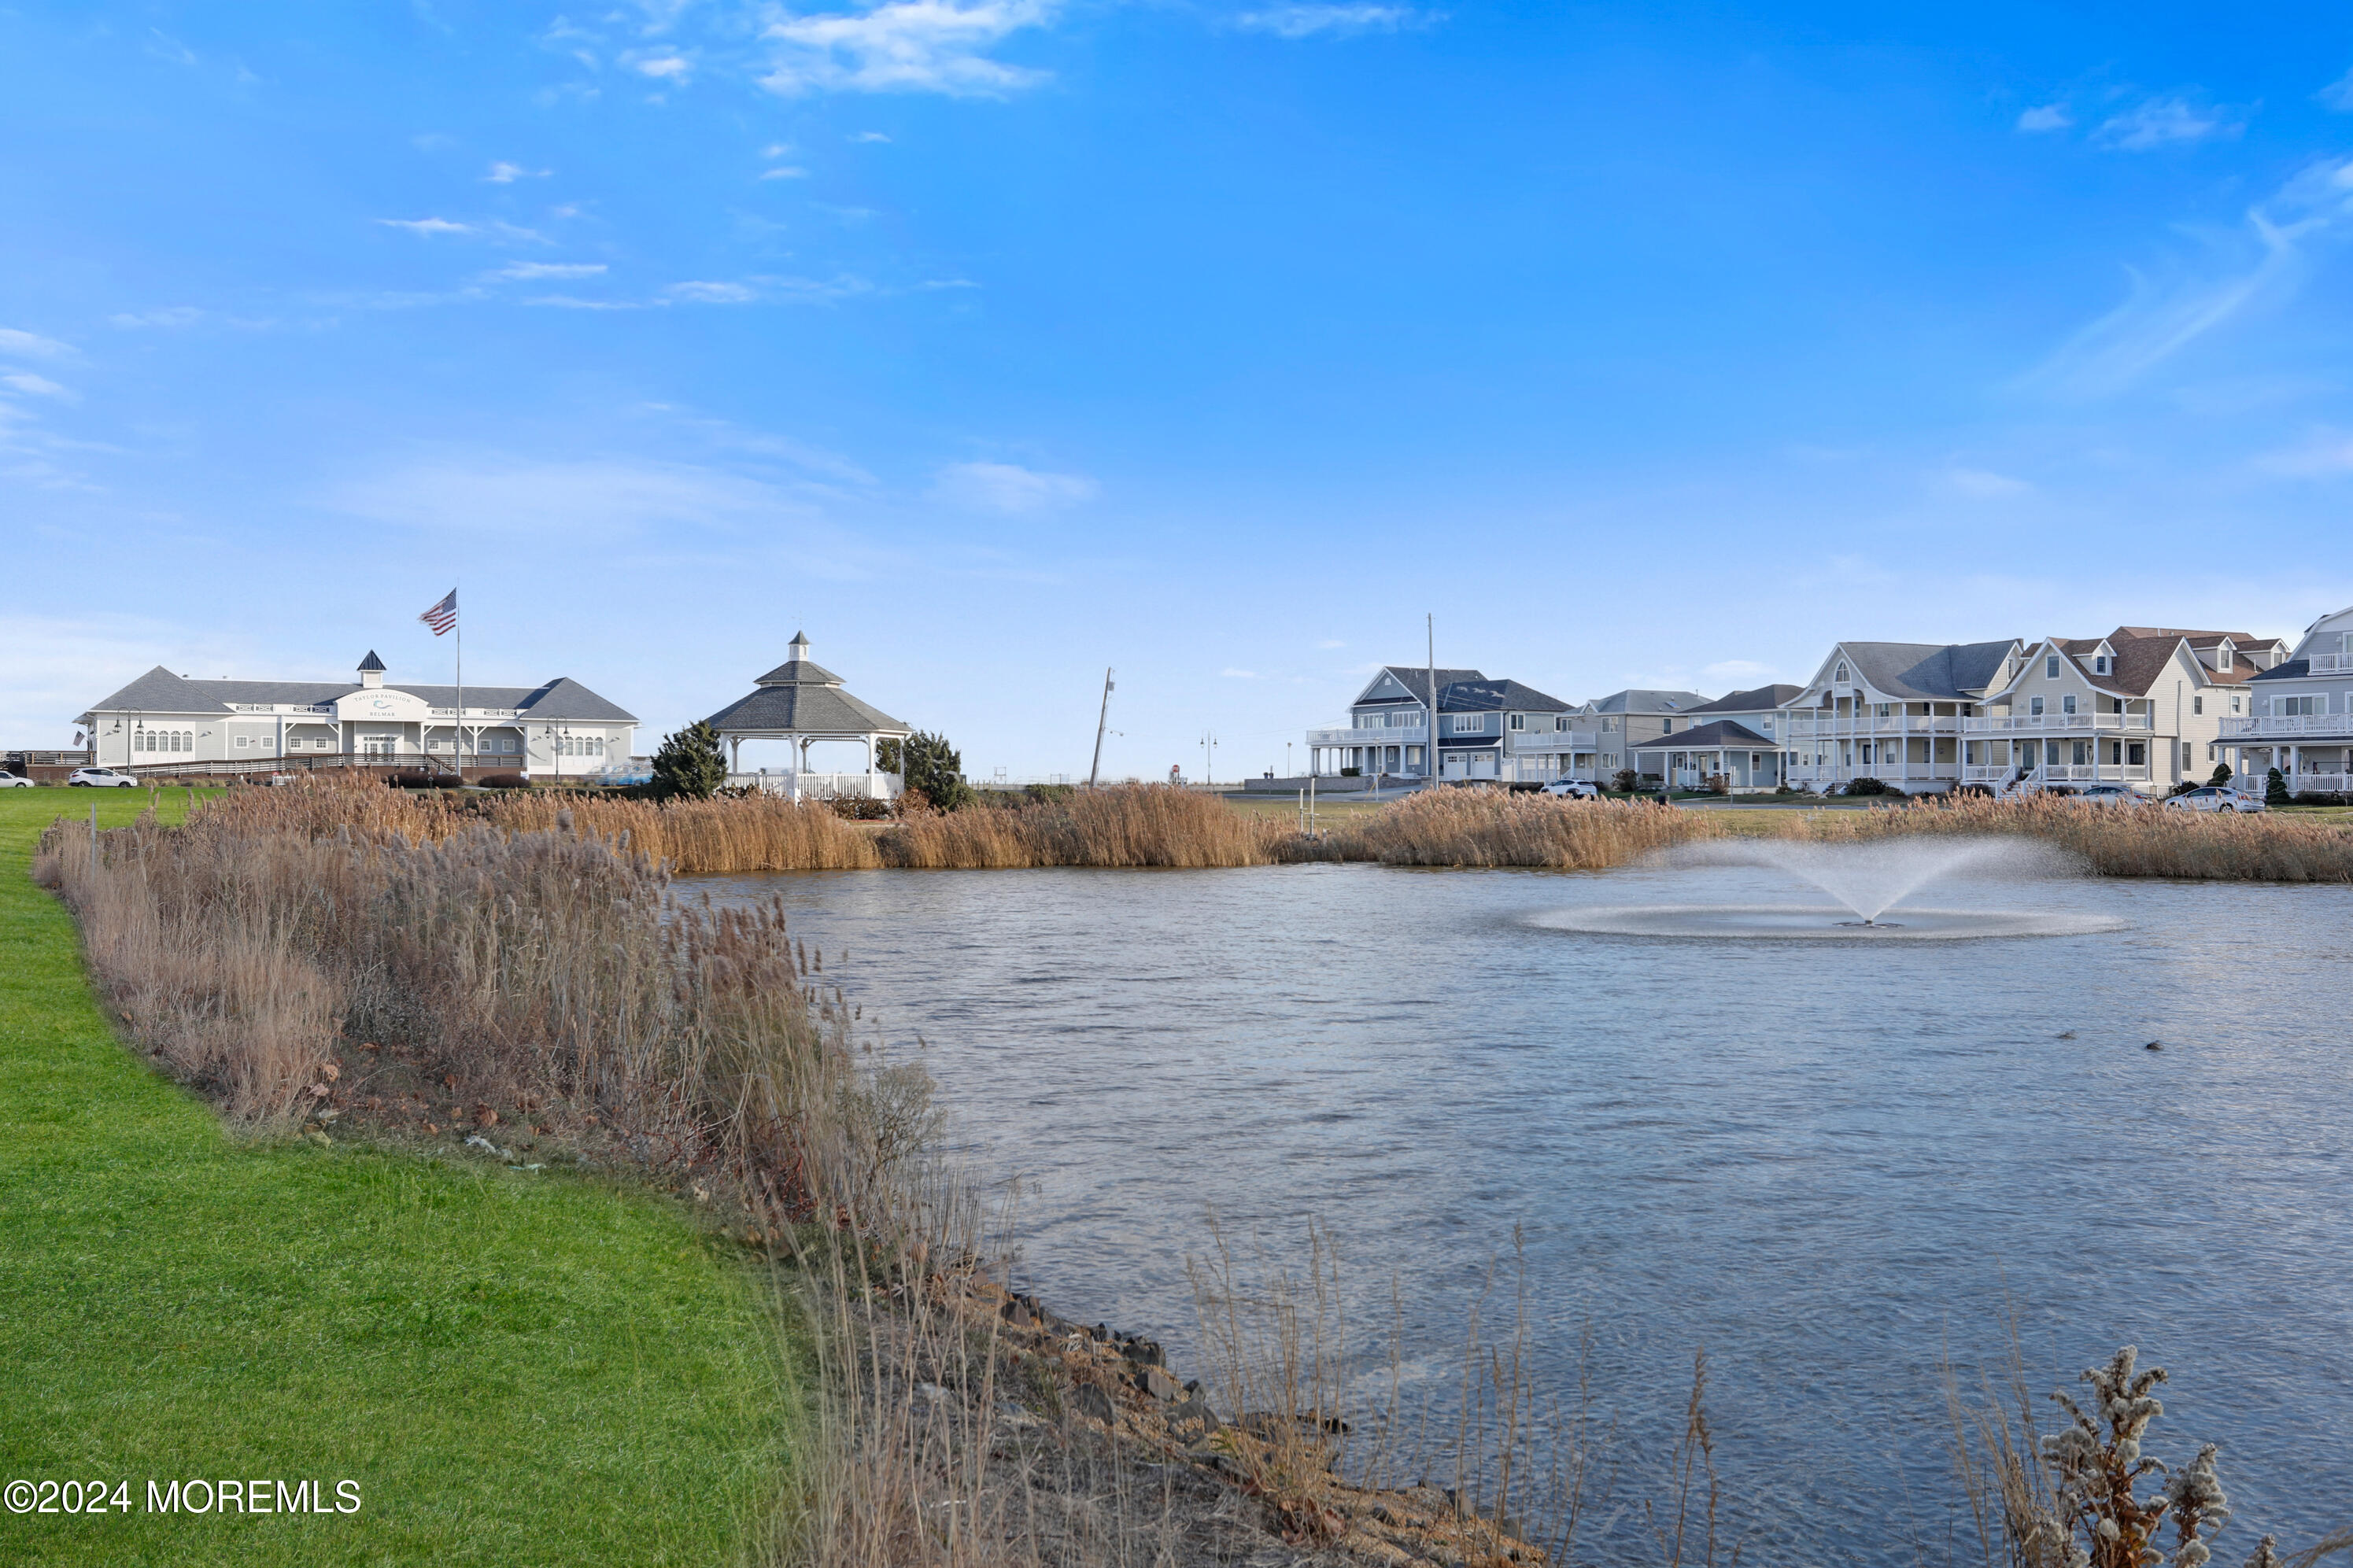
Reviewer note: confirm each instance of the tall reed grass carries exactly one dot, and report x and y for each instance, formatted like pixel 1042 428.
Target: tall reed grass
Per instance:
pixel 2114 841
pixel 283 944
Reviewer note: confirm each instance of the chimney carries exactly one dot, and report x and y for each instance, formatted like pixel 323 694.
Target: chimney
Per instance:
pixel 371 672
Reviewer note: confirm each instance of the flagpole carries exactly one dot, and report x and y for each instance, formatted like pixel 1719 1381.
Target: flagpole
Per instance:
pixel 458 743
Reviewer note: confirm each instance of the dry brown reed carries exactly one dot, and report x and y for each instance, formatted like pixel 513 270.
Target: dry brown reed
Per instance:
pixel 542 969
pixel 2115 841
pixel 1479 827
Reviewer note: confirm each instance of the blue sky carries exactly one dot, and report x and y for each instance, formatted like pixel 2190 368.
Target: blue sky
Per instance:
pixel 996 343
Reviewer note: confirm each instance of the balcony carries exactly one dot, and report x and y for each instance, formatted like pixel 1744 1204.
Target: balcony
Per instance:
pixel 2287 724
pixel 2061 773
pixel 1550 742
pixel 1401 735
pixel 1864 726
pixel 2332 663
pixel 2063 723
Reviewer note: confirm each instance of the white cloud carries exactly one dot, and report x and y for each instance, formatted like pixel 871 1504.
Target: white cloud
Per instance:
pixel 2050 117
pixel 57 667
pixel 537 269
pixel 2338 94
pixel 1306 21
pixel 426 225
pixel 570 302
pixel 2167 121
pixel 592 498
pixel 2264 262
pixel 776 150
pixel 24 381
pixel 1984 484
pixel 706 293
pixel 868 136
pixel 665 68
pixel 904 45
pixel 1231 674
pixel 504 173
pixel 1009 488
pixel 32 345
pixel 169 316
pixel 2322 458
pixel 787 172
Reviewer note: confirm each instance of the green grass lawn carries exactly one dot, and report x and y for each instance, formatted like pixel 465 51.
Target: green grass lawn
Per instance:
pixel 515 1368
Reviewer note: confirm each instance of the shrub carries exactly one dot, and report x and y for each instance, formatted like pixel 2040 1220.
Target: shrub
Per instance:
pixel 1352 772
pixel 503 781
pixel 1866 786
pixel 1625 780
pixel 2222 775
pixel 930 767
pixel 689 765
pixel 2275 788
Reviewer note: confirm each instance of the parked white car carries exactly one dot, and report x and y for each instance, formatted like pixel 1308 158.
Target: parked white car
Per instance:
pixel 2111 795
pixel 15 781
pixel 101 778
pixel 1573 789
pixel 2211 799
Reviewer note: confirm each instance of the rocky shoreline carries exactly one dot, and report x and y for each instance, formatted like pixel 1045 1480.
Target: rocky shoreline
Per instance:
pixel 1259 1489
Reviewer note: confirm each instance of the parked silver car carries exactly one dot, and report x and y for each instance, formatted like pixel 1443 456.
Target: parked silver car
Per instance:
pixel 101 778
pixel 1573 789
pixel 2212 799
pixel 15 781
pixel 2111 795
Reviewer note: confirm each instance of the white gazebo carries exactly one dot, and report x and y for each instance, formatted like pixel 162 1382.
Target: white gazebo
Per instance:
pixel 802 703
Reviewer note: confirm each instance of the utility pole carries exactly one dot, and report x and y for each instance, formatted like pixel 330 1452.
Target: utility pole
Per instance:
pixel 1102 718
pixel 1208 756
pixel 1429 753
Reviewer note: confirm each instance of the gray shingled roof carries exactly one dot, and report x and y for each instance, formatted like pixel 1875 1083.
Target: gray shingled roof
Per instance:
pixel 1641 699
pixel 1723 732
pixel 161 691
pixel 1939 671
pixel 1484 696
pixel 1758 700
pixel 2292 669
pixel 804 697
pixel 1415 680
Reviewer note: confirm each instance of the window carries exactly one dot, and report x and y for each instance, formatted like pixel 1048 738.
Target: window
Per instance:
pixel 1518 722
pixel 2137 754
pixel 242 742
pixel 1882 710
pixel 2051 668
pixel 2067 703
pixel 1561 723
pixel 2034 707
pixel 2222 656
pixel 1841 676
pixel 2187 762
pixel 2234 702
pixel 2100 664
pixel 1470 723
pixel 2198 705
pixel 2287 707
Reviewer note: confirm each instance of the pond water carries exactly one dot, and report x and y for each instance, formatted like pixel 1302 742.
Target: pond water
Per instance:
pixel 1834 1164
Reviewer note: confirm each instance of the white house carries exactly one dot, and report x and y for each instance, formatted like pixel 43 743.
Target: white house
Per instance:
pixel 2300 713
pixel 163 722
pixel 1891 711
pixel 1735 738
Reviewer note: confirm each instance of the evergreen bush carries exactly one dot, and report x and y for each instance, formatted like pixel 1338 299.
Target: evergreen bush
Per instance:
pixel 689 765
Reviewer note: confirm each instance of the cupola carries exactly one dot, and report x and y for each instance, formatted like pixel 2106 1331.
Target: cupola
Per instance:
pixel 371 671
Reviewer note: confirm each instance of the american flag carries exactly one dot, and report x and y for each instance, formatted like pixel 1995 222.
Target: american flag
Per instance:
pixel 443 615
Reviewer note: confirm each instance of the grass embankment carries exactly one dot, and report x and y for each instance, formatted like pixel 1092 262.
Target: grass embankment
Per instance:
pixel 516 1367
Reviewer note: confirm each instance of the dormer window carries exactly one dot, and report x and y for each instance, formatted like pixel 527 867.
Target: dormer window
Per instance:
pixel 2222 656
pixel 2100 664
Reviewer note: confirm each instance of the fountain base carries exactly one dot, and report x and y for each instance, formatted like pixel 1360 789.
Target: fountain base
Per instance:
pixel 1793 922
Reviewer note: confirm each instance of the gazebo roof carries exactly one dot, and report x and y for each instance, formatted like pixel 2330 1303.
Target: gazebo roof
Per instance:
pixel 802 698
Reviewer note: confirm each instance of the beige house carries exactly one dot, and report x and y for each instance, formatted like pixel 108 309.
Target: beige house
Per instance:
pixel 2143 706
pixel 1893 711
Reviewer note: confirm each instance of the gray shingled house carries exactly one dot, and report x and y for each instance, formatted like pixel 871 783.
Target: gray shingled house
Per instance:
pixel 1487 729
pixel 167 723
